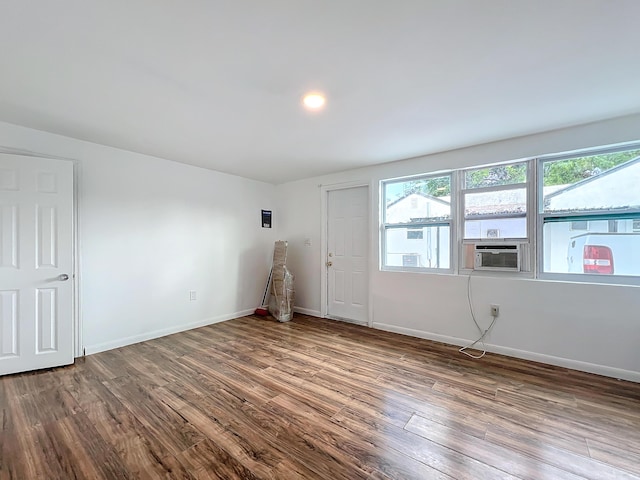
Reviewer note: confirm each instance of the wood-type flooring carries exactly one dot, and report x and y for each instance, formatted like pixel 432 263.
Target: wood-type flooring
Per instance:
pixel 255 399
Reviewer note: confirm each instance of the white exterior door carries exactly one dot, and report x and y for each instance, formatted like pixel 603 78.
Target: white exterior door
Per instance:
pixel 347 254
pixel 36 260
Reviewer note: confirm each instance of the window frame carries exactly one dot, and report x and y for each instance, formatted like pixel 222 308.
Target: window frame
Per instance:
pixel 532 247
pixel 527 255
pixel 385 226
pixel 543 218
pixel 527 185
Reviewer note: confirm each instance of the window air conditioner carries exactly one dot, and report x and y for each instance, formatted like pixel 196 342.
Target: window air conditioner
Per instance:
pixel 497 256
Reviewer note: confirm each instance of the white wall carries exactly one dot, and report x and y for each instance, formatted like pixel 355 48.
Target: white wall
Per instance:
pixel 584 326
pixel 150 231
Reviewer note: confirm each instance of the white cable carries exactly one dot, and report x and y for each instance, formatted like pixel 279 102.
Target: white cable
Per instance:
pixel 482 333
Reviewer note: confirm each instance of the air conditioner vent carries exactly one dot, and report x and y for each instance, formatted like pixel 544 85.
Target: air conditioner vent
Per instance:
pixel 480 247
pixel 499 257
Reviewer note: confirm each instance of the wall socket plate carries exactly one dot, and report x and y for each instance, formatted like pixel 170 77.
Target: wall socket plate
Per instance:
pixel 495 310
pixel 192 295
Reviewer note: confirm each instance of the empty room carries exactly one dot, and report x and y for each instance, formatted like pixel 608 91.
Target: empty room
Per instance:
pixel 320 240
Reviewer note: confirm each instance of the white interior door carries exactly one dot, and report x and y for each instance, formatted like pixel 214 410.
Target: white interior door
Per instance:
pixel 36 260
pixel 347 254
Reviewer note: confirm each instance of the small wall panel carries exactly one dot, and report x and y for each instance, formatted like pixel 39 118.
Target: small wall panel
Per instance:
pixel 8 179
pixel 358 237
pixel 47 320
pixel 47 237
pixel 8 323
pixel 338 283
pixel 358 280
pixel 339 237
pixel 47 182
pixel 8 236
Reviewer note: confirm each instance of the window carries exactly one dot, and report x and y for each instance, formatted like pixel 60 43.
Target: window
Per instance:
pixel 417 223
pixel 571 216
pixel 495 202
pixel 600 194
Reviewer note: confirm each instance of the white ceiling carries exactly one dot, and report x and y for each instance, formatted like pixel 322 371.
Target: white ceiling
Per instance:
pixel 217 83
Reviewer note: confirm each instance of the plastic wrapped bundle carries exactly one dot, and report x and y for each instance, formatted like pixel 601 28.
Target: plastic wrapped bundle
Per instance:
pixel 282 293
pixel 281 300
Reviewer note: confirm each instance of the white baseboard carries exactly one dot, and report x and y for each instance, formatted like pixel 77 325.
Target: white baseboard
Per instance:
pixel 123 342
pixel 525 355
pixel 306 311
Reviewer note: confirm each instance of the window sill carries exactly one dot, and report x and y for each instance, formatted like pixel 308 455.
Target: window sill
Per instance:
pixel 437 271
pixel 547 277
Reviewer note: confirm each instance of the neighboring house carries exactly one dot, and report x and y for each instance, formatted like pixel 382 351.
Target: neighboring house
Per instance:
pixel 418 246
pixel 417 205
pixel 614 188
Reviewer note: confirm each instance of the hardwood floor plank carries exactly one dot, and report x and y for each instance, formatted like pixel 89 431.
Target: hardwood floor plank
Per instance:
pixel 141 459
pixel 27 455
pixel 173 430
pixel 540 450
pixel 116 423
pixel 208 457
pixel 339 442
pixel 253 398
pixel 211 379
pixel 559 419
pixel 514 415
pixel 503 459
pixel 45 406
pixel 31 383
pixel 222 422
pixel 437 457
pixel 88 389
pixel 81 452
pixel 614 455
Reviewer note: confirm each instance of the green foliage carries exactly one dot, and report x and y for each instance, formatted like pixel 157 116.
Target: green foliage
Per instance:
pixel 565 172
pixel 560 172
pixel 494 176
pixel 435 186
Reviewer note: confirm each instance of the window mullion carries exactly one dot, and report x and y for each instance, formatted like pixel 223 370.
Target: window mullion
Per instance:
pixel 497 188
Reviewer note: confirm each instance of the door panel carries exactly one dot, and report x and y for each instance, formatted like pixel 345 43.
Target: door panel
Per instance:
pixel 46 236
pixel 36 248
pixel 47 320
pixel 9 323
pixel 347 253
pixel 8 236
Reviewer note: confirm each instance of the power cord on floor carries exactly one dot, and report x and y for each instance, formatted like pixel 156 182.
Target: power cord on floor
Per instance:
pixel 482 333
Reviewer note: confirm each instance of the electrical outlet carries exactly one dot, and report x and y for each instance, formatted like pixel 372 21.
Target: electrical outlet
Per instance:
pixel 192 295
pixel 495 310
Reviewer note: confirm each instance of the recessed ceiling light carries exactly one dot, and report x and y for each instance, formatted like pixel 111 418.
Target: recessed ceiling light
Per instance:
pixel 313 101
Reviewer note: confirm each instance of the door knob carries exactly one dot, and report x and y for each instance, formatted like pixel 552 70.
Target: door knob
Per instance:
pixel 63 277
pixel 329 264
